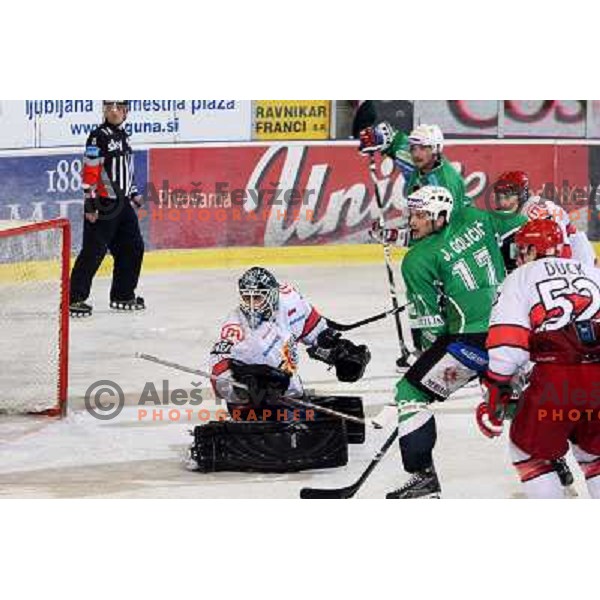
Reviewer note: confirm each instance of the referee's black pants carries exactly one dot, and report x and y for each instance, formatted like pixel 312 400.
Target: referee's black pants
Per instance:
pixel 117 229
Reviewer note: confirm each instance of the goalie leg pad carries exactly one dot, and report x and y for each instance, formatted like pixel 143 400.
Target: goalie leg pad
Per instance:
pixel 267 447
pixel 349 405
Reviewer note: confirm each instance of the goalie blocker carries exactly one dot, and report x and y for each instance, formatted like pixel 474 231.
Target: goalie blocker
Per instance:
pixel 317 441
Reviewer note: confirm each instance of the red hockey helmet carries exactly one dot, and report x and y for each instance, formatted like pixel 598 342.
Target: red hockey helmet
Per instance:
pixel 514 183
pixel 544 235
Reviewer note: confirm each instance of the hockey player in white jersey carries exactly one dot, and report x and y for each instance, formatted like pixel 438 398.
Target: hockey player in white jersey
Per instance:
pixel 512 195
pixel 258 345
pixel 511 191
pixel 547 312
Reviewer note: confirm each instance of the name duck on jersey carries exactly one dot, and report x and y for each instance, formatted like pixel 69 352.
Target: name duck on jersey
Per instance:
pixel 564 300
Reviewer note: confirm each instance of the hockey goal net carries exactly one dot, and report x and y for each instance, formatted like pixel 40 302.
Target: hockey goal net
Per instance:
pixel 34 316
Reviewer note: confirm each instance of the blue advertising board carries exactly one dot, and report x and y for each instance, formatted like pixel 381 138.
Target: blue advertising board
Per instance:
pixel 48 187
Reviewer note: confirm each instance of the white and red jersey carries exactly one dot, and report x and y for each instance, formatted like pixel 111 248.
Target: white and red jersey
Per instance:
pixel 273 343
pixel 577 244
pixel 540 300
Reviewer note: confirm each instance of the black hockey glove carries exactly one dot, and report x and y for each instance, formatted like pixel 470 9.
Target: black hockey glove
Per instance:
pixel 266 385
pixel 349 360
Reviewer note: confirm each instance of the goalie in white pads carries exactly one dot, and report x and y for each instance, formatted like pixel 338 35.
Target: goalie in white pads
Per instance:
pixel 258 348
pixel 262 335
pixel 548 311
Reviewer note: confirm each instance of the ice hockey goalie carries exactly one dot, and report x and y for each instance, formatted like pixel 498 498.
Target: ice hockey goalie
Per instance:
pixel 256 360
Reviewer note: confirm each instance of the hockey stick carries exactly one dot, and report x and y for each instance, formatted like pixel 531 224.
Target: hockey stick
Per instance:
pixel 403 330
pixel 333 413
pixel 178 367
pixel 348 327
pixel 350 490
pixel 298 401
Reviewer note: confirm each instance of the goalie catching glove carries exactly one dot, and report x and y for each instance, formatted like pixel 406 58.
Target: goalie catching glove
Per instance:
pixel 497 406
pixel 349 360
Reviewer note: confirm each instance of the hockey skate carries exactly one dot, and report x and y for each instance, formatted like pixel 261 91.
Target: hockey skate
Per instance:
pixel 422 484
pixel 79 310
pixel 562 470
pixel 402 364
pixel 136 303
pixel 566 476
pixel 406 360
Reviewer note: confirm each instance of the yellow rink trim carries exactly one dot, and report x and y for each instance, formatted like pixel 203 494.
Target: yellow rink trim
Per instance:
pixel 214 258
pixel 222 258
pixel 30 271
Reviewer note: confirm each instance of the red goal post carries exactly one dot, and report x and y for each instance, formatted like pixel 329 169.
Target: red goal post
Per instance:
pixel 34 316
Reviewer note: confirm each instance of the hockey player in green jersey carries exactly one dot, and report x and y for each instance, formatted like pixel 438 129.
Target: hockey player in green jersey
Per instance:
pixel 419 157
pixel 451 278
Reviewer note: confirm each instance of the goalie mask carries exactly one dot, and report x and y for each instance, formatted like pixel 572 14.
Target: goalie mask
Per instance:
pixel 259 295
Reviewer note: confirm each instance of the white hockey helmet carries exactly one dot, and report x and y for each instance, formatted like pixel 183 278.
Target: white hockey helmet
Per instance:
pixel 427 135
pixel 432 199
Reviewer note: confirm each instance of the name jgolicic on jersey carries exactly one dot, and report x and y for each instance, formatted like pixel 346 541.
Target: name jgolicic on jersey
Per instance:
pixel 464 241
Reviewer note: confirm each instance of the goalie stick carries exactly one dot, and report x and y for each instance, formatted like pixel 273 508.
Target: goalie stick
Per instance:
pixel 405 340
pixel 298 401
pixel 350 490
pixel 348 327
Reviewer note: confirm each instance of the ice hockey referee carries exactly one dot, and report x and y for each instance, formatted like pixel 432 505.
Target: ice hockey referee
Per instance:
pixel 110 220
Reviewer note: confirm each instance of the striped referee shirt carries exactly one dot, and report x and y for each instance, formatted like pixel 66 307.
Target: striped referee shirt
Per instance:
pixel 108 170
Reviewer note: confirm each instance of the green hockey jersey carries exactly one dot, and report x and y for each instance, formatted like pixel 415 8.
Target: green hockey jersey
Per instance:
pixel 452 276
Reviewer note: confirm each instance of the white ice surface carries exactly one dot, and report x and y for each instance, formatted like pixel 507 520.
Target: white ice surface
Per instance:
pixel 81 456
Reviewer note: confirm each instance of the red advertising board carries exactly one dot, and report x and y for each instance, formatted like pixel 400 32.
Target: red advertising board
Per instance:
pixel 262 195
pixel 307 194
pixel 558 172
